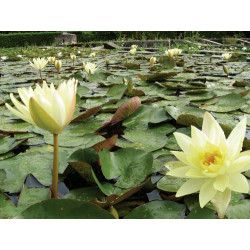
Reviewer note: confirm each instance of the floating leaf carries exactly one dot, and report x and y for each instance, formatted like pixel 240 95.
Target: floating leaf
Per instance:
pixel 158 210
pixel 126 109
pixel 157 76
pixel 227 103
pixel 170 183
pixel 64 209
pixel 132 166
pixel 87 114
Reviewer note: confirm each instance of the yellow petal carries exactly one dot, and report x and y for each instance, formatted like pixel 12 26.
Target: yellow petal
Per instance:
pixel 238 183
pixel 198 137
pixel 189 187
pixel 179 172
pixel 241 164
pixel 235 139
pixel 221 182
pixel 195 173
pixel 183 141
pixel 221 201
pixel 212 129
pixel 42 119
pixel 19 114
pixel 180 156
pixel 207 192
pixel 174 164
pixel 23 109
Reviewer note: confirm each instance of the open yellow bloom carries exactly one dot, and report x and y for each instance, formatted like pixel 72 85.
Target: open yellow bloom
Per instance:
pixel 213 164
pixel 226 56
pixel 51 59
pixel 173 52
pixel 133 51
pixel 48 108
pixel 92 55
pixel 90 68
pixel 39 63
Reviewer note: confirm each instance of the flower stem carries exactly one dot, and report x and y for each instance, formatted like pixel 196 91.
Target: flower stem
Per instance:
pixel 41 76
pixel 55 168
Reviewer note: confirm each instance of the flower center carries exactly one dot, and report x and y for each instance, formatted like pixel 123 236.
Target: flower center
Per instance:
pixel 212 161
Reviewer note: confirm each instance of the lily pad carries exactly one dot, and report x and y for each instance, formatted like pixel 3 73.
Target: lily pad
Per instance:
pixel 158 210
pixel 132 166
pixel 227 103
pixel 64 209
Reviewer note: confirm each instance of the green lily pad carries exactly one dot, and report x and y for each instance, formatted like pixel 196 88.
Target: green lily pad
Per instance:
pixel 148 140
pixel 29 196
pixel 201 213
pixel 239 210
pixel 37 161
pixel 170 183
pixel 132 166
pixel 85 194
pixel 227 103
pixel 158 210
pixel 64 209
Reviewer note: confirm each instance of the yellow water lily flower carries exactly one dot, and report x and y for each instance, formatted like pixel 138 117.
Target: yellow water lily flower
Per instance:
pixel 134 46
pixel 90 68
pixel 48 108
pixel 51 59
pixel 173 52
pixel 213 164
pixel 132 51
pixel 58 65
pixel 92 55
pixel 226 56
pixel 152 61
pixel 39 63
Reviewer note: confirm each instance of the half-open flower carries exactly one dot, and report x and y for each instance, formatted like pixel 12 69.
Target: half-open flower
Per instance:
pixel 90 68
pixel 51 59
pixel 39 63
pixel 213 164
pixel 48 108
pixel 92 55
pixel 226 56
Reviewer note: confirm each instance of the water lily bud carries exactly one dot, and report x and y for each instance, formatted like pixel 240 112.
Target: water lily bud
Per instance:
pixel 107 61
pixel 58 65
pixel 152 60
pixel 226 69
pixel 48 108
pixel 130 87
pixel 133 51
pixel 92 55
pixel 73 57
pixel 39 63
pixel 51 59
pixel 125 81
